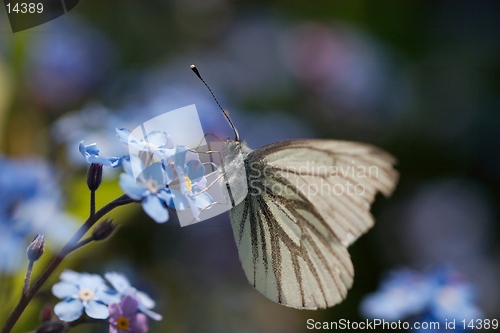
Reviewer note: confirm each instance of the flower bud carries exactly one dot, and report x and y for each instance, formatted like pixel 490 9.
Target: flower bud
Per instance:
pixel 103 230
pixel 36 248
pixel 94 176
pixel 46 313
pixel 52 327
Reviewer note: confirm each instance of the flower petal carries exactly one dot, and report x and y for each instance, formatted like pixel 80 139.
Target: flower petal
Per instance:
pixel 192 156
pixel 140 324
pixel 118 281
pixel 180 156
pixel 166 155
pixel 129 306
pixel 182 180
pixel 126 165
pixel 151 314
pixel 111 162
pixel 69 310
pixel 88 150
pixel 166 197
pixel 145 300
pixel 179 201
pixel 97 310
pixel 90 281
pixel 70 276
pixel 201 184
pixel 194 209
pixel 136 166
pixel 168 174
pixel 202 199
pixel 159 139
pixel 107 295
pixel 91 154
pixel 130 187
pixel 196 170
pixel 128 138
pixel 154 207
pixel 64 289
pixel 114 312
pixel 155 172
pixel 123 134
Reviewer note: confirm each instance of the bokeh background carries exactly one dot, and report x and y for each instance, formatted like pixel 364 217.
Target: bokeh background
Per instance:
pixel 419 78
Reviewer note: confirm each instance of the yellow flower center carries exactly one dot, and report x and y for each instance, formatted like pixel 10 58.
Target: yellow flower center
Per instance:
pixel 189 185
pixel 122 323
pixel 86 295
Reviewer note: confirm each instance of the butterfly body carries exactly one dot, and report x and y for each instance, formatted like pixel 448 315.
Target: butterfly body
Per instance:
pixel 294 224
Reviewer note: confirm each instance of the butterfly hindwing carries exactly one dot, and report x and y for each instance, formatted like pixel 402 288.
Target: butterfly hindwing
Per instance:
pixel 288 261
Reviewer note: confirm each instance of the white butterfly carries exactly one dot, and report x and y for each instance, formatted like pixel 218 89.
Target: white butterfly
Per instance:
pixel 293 227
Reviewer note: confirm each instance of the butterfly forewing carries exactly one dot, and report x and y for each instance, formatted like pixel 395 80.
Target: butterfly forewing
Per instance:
pixel 339 178
pixel 292 228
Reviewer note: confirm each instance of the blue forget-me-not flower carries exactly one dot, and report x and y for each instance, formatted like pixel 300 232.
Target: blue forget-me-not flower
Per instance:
pixel 83 291
pixel 159 144
pixel 91 155
pixel 124 288
pixel 150 186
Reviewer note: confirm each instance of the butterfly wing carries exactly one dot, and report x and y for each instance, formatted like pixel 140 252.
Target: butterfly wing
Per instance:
pixel 293 228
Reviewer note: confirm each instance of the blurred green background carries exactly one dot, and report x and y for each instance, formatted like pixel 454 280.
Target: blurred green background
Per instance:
pixel 419 79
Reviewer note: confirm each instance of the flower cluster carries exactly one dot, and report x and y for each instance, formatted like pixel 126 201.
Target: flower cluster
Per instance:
pixel 158 174
pixel 122 305
pixel 439 295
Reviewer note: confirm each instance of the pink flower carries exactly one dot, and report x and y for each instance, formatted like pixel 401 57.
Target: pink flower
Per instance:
pixel 124 317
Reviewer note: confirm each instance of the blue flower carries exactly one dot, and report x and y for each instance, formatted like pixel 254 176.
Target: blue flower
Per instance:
pixel 70 128
pixel 440 295
pixel 67 64
pixel 30 204
pixel 91 154
pixel 124 288
pixel 191 174
pixel 82 292
pixel 150 186
pixel 403 293
pixel 159 144
pixel 453 297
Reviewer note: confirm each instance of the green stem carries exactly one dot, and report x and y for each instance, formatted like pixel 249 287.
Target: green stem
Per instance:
pixel 70 246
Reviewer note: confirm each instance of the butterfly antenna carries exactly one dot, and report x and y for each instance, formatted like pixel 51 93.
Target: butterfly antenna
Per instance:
pixel 195 70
